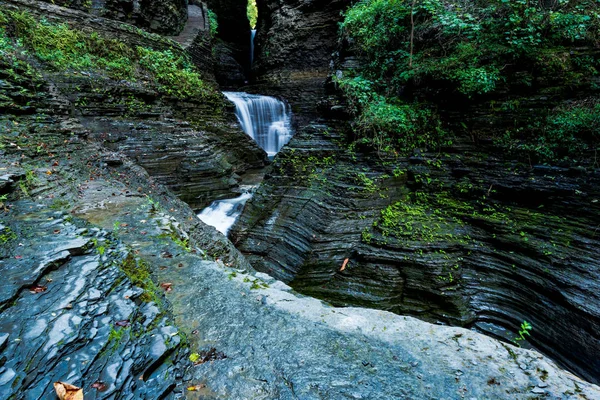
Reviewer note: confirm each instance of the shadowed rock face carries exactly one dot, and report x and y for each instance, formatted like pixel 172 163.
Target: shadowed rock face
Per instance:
pixel 294 43
pixel 160 16
pixel 461 237
pixel 232 44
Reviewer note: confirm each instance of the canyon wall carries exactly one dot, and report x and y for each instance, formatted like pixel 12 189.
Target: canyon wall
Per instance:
pixel 468 235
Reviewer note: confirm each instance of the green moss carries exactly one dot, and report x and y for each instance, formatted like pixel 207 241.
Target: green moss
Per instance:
pixel 63 48
pixel 138 273
pixel 173 236
pixel 6 235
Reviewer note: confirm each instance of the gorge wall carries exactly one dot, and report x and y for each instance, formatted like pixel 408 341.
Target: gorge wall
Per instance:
pixel 294 46
pixel 467 235
pixel 161 16
pixel 111 283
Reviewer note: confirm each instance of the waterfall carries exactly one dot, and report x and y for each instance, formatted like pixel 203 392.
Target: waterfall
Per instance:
pixel 252 35
pixel 265 119
pixel 222 213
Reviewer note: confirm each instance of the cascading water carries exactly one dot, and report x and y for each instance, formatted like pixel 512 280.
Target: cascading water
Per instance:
pixel 266 120
pixel 222 213
pixel 252 35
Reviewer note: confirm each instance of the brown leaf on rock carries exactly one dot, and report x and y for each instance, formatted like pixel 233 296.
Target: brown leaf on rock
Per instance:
pixel 196 388
pixel 100 386
pixel 66 391
pixel 168 286
pixel 37 289
pixel 344 264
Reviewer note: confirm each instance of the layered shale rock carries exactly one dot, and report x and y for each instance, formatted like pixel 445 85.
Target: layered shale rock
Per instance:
pixel 193 145
pixel 459 237
pixel 294 43
pixel 161 16
pixel 112 283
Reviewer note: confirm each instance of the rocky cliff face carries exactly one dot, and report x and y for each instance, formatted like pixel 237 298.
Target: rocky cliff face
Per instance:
pixel 464 236
pixel 461 237
pixel 161 16
pixel 111 283
pixel 294 43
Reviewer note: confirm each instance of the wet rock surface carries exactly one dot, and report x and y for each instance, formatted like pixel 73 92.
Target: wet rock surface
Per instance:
pixel 461 238
pixel 112 283
pixel 252 336
pixel 70 314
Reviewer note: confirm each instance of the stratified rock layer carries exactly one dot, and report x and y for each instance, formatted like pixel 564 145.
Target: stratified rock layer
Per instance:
pixel 294 43
pixel 161 16
pixel 464 238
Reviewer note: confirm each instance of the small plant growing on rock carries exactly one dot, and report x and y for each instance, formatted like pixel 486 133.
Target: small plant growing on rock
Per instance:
pixel 524 331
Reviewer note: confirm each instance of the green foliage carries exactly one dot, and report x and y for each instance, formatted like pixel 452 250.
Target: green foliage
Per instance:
pixel 524 331
pixel 469 49
pixel 563 133
pixel 213 23
pixel 252 12
pixel 388 123
pixel 174 73
pixel 63 48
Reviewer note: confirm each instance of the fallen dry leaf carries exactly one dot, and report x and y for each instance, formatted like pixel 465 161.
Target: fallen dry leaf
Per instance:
pixel 65 391
pixel 195 388
pixel 344 264
pixel 100 386
pixel 37 289
pixel 167 286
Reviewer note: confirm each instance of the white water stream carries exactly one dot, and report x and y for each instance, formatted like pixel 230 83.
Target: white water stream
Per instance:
pixel 266 120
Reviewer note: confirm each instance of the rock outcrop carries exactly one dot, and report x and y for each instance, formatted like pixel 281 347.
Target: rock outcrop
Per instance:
pixel 460 237
pixel 185 143
pixel 466 236
pixel 160 16
pixel 112 284
pixel 294 43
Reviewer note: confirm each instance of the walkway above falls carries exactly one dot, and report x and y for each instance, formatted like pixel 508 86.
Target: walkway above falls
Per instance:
pixel 195 24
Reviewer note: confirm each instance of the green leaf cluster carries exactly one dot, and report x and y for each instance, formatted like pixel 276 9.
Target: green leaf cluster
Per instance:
pixel 213 23
pixel 62 48
pixel 414 52
pixel 252 12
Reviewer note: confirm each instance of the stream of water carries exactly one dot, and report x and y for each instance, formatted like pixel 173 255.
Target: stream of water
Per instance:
pixel 265 119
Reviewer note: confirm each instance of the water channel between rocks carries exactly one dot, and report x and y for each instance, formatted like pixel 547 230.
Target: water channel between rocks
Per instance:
pixel 267 120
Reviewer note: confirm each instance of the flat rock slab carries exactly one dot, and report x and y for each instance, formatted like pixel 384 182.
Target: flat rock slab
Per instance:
pixel 255 338
pixel 70 314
